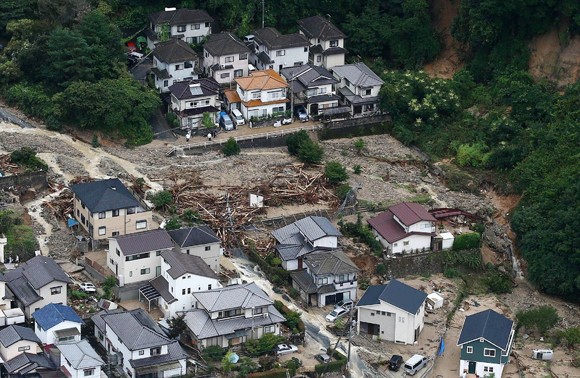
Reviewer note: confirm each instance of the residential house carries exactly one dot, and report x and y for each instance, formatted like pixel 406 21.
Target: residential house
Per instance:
pixel 31 365
pixel 79 360
pixel 261 94
pixel 302 237
pixel 57 323
pixel 405 227
pixel 188 25
pixel 275 51
pixel 191 99
pixel 326 42
pixel 36 283
pixel 485 341
pixel 15 340
pixel 143 348
pixel 3 242
pixel 358 88
pixel 393 312
pixel 311 86
pixel 181 275
pixel 232 315
pixel 4 297
pixel 225 57
pixel 137 257
pixel 199 241
pixel 329 277
pixel 173 61
pixel 106 208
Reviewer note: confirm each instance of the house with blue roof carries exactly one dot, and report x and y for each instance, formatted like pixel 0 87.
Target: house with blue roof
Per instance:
pixel 485 341
pixel 393 312
pixel 57 323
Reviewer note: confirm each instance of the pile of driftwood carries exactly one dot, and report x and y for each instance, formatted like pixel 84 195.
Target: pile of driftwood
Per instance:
pixel 62 205
pixel 7 167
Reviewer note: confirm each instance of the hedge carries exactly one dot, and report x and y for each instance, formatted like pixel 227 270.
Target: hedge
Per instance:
pixel 280 306
pixel 274 373
pixel 332 365
pixel 467 241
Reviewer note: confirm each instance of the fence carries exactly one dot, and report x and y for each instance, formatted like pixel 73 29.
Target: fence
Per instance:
pixel 360 121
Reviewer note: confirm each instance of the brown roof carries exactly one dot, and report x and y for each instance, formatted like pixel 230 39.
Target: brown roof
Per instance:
pixel 254 103
pixel 410 213
pixel 267 79
pixel 386 225
pixel 232 96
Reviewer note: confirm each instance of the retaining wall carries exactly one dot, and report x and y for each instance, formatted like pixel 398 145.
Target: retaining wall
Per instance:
pixel 36 180
pixel 421 264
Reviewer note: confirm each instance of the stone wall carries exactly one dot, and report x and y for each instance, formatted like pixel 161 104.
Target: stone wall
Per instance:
pixel 421 264
pixel 36 180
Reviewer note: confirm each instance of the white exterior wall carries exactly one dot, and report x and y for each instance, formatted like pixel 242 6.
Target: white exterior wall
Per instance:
pixel 260 111
pixel 74 373
pixel 414 242
pixel 191 34
pixel 290 264
pixel 195 120
pixel 423 226
pixel 294 56
pixel 45 293
pixel 48 337
pixel 238 63
pixel 12 351
pixel 130 271
pixel 348 294
pixel 211 256
pixel 405 323
pixel 4 303
pixel 330 61
pixel 176 74
pixel 479 368
pixel 326 242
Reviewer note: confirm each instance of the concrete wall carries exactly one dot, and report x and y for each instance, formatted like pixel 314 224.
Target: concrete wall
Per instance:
pixel 18 348
pixel 419 264
pixel 36 180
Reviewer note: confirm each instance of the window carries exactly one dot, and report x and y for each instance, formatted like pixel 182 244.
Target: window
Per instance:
pixel 187 64
pixel 280 52
pixel 130 274
pixel 367 92
pixel 145 271
pixel 489 352
pixel 115 233
pixel 137 256
pixel 207 24
pixel 488 369
pixel 182 291
pixel 188 290
pixel 141 352
pixel 177 67
pixel 195 26
pixel 158 253
pixel 372 314
pixel 334 43
pixel 208 247
pixel 238 73
pixel 256 95
pixel 88 372
pixel 405 243
pixel 257 310
pixel 243 56
pixel 23 348
pixel 306 49
pixel 66 338
pixel 165 83
pixel 118 253
pixel 155 351
pixel 323 281
pixel 209 287
pixel 401 319
pixel 318 58
pixel 116 213
pixel 180 28
pixel 225 75
pixel 229 59
pixel 298 64
pixel 269 329
pixel 322 90
pixel 102 230
pixel 469 349
pixel 102 215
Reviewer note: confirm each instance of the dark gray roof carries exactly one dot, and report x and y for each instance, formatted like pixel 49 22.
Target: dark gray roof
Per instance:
pixel 264 58
pixel 189 237
pixel 181 263
pixel 225 44
pixel 174 353
pixel 273 40
pixel 27 362
pixel 184 90
pixel 334 51
pixel 230 297
pixel 319 27
pixel 15 333
pixel 304 281
pixel 174 51
pixel 180 16
pixel 308 75
pixel 146 241
pixel 104 195
pixel 489 325
pixel 358 74
pixel 161 74
pixel 161 285
pixel 356 99
pixel 22 290
pixel 395 293
pixel 322 98
pixel 322 263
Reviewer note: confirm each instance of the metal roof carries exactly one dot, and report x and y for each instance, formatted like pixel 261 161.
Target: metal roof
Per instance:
pixel 273 40
pixel 181 263
pixel 180 16
pixel 489 325
pixel 184 90
pixel 395 293
pixel 104 195
pixel 234 296
pixel 15 333
pixel 358 74
pixel 193 236
pixel 146 241
pixel 80 354
pixel 53 314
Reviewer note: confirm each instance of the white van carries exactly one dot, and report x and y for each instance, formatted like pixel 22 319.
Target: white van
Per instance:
pixel 415 363
pixel 238 118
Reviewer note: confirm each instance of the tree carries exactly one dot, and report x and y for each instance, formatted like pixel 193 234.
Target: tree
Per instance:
pixel 359 145
pixel 21 242
pixel 335 173
pixel 310 152
pixel 161 199
pixel 174 223
pixel 176 326
pixel 294 141
pixel 207 121
pixel 263 345
pixel 231 147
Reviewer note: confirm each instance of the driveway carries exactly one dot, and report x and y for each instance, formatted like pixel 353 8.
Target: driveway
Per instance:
pixel 139 71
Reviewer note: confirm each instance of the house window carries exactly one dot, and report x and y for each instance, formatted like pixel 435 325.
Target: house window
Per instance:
pixel 102 230
pixel 298 64
pixel 394 245
pixel 322 90
pixel 257 310
pixel 333 43
pixel 367 92
pixel 177 67
pixel 115 233
pixel 229 59
pixel 489 352
pixel 158 253
pixel 243 56
pixel 256 95
pixel 165 83
pixel 280 52
pixel 88 372
pixel 195 26
pixel 207 24
pixel 488 369
pixel 188 290
pixel 183 291
pixel 130 274
pixel 372 314
pixel 102 215
pixel 24 348
pixel 180 28
pixel 238 73
pixel 323 281
pixel 269 329
pixel 225 75
pixel 141 352
pixel 116 213
pixel 406 243
pixel 318 58
pixel 139 225
pixel 401 319
pixel 187 64
pixel 469 349
pixel 155 351
pixel 137 256
pixel 118 253
pixel 145 271
pixel 306 49
pixel 209 287
pixel 208 247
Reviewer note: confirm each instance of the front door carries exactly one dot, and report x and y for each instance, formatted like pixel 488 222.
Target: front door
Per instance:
pixel 471 368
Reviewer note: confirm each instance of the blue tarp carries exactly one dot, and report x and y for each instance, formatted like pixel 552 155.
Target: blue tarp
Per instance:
pixel 71 222
pixel 441 347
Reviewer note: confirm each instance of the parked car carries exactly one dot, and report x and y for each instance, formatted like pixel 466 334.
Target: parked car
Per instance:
pixel 87 287
pixel 323 358
pixel 301 113
pixel 395 362
pixel 285 349
pixel 337 313
pixel 225 121
pixel 346 303
pixel 238 118
pixel 415 363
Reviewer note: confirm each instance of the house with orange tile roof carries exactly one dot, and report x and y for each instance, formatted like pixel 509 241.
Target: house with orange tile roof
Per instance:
pixel 262 94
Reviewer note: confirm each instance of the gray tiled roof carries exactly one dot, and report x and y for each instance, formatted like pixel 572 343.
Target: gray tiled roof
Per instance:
pixel 314 228
pixel 225 44
pixel 308 75
pixel 104 195
pixel 184 90
pixel 80 354
pixel 304 281
pixel 334 51
pixel 396 293
pixel 230 297
pixel 192 236
pixel 26 362
pixel 322 263
pixel 180 16
pixel 161 285
pixel 488 324
pixel 146 241
pixel 358 74
pixel 174 353
pixel 273 40
pixel 181 263
pixel 356 99
pixel 319 27
pixel 174 51
pixel 15 333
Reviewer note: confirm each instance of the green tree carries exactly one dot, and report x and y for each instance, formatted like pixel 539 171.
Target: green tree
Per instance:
pixel 540 319
pixel 231 147
pixel 21 242
pixel 161 199
pixel 207 121
pixel 295 140
pixel 177 326
pixel 263 345
pixel 174 223
pixel 310 152
pixel 335 173
pixel 359 145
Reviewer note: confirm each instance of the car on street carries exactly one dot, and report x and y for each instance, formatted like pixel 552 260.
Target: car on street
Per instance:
pixel 301 113
pixel 87 287
pixel 285 349
pixel 337 313
pixel 346 303
pixel 395 362
pixel 323 358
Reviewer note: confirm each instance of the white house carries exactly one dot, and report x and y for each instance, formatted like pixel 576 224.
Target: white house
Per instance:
pixel 262 93
pixel 143 347
pixel 191 99
pixel 3 242
pixel 232 315
pixel 275 51
pixel 326 41
pixel 173 61
pixel 393 312
pixel 181 275
pixel 79 360
pixel 225 57
pixel 137 257
pixel 15 340
pixel 329 277
pixel 189 25
pixel 302 237
pixel 405 227
pixel 358 88
pixel 199 241
pixel 57 323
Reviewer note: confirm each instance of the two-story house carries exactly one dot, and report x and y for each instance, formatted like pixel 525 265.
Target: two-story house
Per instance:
pixel 36 283
pixel 262 93
pixel 312 86
pixel 302 237
pixel 404 227
pixel 225 57
pixel 143 348
pixel 191 99
pixel 79 360
pixel 358 88
pixel 189 25
pixel 485 341
pixel 329 277
pixel 181 275
pixel 393 312
pixel 232 315
pixel 326 41
pixel 137 257
pixel 106 208
pixel 31 365
pixel 57 323
pixel 173 61
pixel 15 340
pixel 199 241
pixel 275 51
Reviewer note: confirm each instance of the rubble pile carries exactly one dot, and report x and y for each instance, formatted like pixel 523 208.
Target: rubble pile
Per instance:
pixel 7 167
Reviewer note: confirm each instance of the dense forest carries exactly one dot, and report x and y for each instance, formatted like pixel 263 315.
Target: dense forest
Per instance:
pixel 63 62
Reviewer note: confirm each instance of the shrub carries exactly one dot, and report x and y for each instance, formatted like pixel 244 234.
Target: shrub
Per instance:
pixel 274 373
pixel 262 345
pixel 310 152
pixel 357 169
pixel 541 319
pixel 336 365
pixel 359 145
pixel 569 337
pixel 467 241
pixel 294 141
pixel 231 147
pixel 108 284
pixel 95 141
pixel 172 120
pixel 214 353
pixel 451 273
pixel 293 293
pixel 21 242
pixel 26 157
pixel 292 365
pixel 77 294
pixel 335 173
pixel 498 282
pixel 381 269
pixel 341 191
pixel 293 320
pixel 472 155
pixel 362 234
pixel 173 223
pixel 161 199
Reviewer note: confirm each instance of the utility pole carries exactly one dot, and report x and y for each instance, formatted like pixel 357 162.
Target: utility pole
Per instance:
pixel 292 99
pixel 262 14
